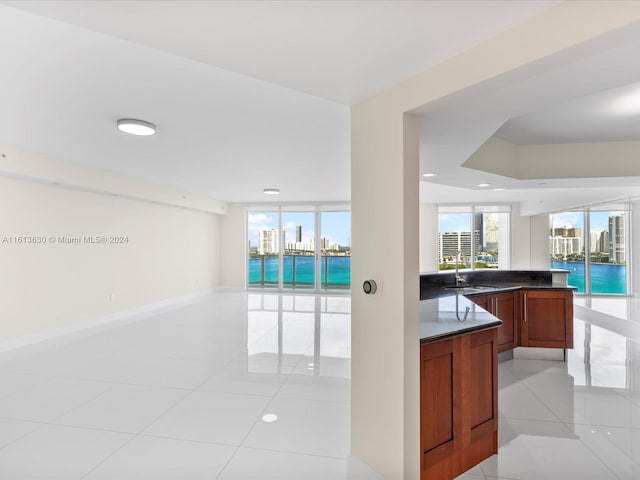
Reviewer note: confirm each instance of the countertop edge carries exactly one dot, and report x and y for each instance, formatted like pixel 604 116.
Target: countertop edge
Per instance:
pixel 457 333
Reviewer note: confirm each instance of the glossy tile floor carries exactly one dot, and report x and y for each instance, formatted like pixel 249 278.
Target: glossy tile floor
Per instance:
pixel 188 394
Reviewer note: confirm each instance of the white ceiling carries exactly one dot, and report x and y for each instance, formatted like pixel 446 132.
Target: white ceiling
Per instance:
pixel 588 94
pixel 256 94
pixel 246 95
pixel 339 50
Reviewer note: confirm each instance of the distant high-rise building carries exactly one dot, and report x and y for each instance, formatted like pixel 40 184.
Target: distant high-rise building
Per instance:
pixel 450 243
pixel 299 233
pixel 603 241
pixel 567 232
pixel 593 241
pixel 492 227
pixel 478 222
pixel 268 242
pixel 565 245
pixel 616 239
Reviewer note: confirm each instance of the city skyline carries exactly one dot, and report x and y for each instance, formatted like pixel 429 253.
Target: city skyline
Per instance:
pixel 606 235
pixel 335 226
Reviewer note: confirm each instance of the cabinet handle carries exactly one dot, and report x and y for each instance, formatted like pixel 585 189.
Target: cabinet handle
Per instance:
pixel 525 307
pixel 496 306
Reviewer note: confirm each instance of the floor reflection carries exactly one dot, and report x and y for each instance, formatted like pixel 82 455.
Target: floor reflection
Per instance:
pixel 301 334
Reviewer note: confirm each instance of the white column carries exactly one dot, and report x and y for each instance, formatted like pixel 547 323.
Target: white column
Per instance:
pixel 428 237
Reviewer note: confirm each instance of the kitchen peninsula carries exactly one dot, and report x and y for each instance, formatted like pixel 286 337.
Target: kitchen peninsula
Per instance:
pixel 465 322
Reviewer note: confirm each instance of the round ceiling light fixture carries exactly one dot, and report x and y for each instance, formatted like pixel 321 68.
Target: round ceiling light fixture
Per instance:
pixel 133 126
pixel 428 174
pixel 484 184
pixel 271 191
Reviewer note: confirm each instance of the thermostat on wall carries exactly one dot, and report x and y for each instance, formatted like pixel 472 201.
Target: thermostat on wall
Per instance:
pixel 369 287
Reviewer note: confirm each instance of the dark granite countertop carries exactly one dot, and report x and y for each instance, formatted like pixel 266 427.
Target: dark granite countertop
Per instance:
pixel 443 306
pixel 444 317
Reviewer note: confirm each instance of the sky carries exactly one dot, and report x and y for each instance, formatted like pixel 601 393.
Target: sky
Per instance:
pixel 599 221
pixel 336 226
pixel 455 222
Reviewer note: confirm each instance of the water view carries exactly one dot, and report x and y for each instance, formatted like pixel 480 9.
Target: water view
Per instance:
pixel 334 271
pixel 606 278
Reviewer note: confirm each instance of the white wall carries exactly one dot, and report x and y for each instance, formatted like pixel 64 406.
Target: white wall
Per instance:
pixel 428 237
pixel 540 241
pixel 520 240
pixel 170 252
pixel 233 235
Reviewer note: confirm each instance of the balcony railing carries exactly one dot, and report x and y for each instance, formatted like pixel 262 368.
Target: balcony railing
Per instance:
pixel 299 271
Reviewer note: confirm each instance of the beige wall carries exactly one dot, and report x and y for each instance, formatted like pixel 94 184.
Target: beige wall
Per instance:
pixel 233 255
pixel 520 239
pixel 170 252
pixel 428 237
pixel 385 372
pixel 558 160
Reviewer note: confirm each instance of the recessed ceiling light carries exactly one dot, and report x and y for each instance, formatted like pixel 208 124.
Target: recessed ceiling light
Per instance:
pixel 270 418
pixel 136 127
pixel 484 184
pixel 428 174
pixel 271 191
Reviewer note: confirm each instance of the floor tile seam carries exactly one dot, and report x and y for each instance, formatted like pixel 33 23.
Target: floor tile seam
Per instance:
pixel 166 410
pixel 232 393
pixel 602 425
pixel 261 415
pixel 226 464
pixel 70 378
pixel 594 451
pixel 292 397
pixel 493 477
pixel 544 403
pixel 57 421
pixel 89 400
pixel 93 429
pixel 150 385
pixel 108 457
pixel 39 427
pixel 536 420
pixel 188 440
pixel 633 460
pixel 276 450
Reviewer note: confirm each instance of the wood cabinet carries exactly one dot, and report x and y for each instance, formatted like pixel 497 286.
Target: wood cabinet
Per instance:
pixel 458 403
pixel 531 317
pixel 547 318
pixel 505 306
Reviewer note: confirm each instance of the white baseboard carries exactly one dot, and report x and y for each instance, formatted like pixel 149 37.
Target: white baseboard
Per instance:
pixel 95 325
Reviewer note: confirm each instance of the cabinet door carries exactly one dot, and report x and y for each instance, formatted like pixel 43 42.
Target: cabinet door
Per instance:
pixel 482 300
pixel 479 403
pixel 458 403
pixel 505 308
pixel 547 319
pixel 439 388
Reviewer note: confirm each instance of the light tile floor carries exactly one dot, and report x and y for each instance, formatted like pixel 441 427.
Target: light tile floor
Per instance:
pixel 182 395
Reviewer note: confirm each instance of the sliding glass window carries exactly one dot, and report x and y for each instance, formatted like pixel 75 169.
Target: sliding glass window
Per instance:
pixel 299 259
pixel 604 270
pixel 299 248
pixel 475 237
pixel 263 268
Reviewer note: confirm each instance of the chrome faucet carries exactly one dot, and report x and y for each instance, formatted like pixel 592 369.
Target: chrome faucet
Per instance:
pixel 459 278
